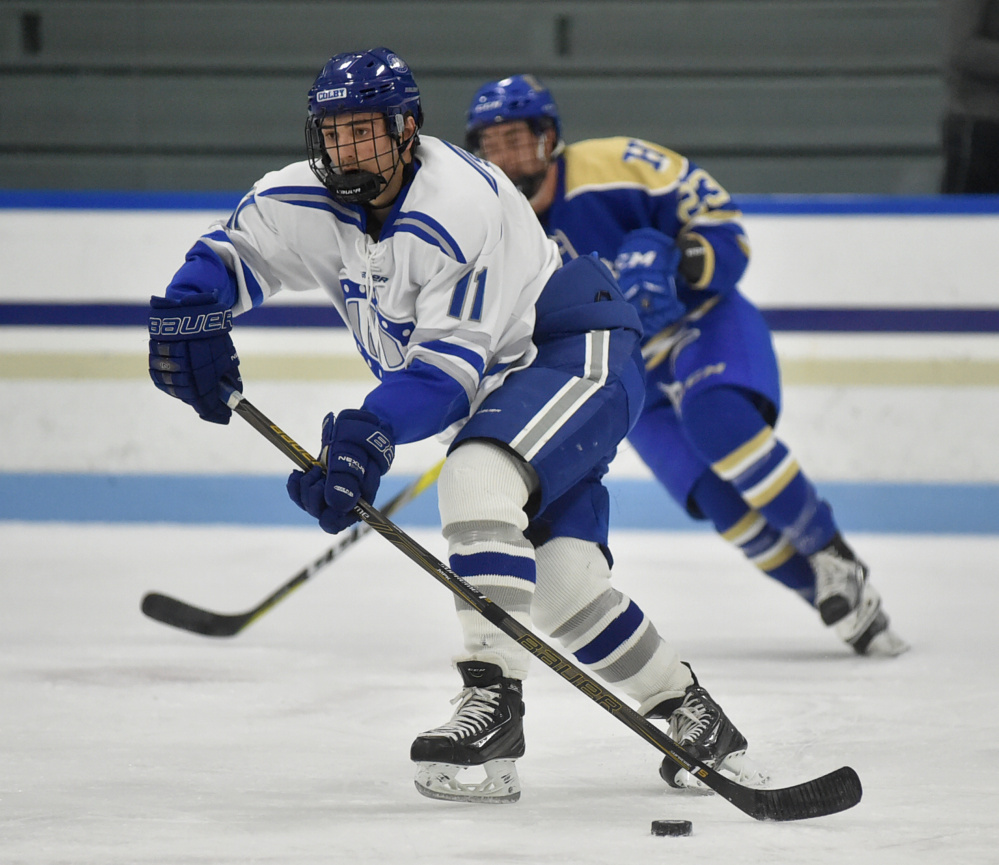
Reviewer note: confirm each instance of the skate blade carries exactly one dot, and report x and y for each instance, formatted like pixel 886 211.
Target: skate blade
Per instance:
pixel 439 781
pixel 868 631
pixel 887 644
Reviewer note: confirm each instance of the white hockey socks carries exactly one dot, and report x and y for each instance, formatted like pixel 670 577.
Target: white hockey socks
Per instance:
pixel 482 492
pixel 575 603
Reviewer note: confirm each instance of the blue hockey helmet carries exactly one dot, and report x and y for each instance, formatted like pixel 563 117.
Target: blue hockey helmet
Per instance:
pixel 520 97
pixel 375 80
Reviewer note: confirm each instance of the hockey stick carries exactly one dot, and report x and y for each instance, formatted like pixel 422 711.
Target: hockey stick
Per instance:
pixel 829 794
pixel 179 614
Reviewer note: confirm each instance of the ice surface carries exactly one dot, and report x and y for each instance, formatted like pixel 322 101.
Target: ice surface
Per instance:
pixel 125 741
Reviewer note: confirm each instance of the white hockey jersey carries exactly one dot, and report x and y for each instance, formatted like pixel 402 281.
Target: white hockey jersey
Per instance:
pixel 441 306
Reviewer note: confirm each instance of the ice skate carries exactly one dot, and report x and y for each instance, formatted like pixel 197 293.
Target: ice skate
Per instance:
pixel 698 724
pixel 839 580
pixel 845 598
pixel 487 730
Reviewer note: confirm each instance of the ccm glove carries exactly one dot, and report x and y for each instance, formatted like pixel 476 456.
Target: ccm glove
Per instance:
pixel 191 352
pixel 357 450
pixel 646 266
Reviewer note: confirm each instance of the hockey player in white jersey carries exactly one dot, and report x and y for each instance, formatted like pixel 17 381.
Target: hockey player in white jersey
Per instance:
pixel 459 304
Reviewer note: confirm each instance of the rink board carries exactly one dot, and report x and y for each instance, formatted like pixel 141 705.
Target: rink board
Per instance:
pixel 884 312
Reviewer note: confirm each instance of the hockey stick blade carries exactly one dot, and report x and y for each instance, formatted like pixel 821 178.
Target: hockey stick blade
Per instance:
pixel 819 797
pixel 829 794
pixel 179 614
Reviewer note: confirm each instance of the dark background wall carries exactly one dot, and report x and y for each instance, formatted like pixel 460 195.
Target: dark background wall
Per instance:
pixel 807 96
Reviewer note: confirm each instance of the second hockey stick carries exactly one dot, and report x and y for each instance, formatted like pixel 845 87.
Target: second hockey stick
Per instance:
pixel 837 791
pixel 179 614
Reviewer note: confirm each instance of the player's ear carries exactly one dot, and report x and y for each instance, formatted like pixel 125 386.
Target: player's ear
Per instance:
pixel 409 130
pixel 409 127
pixel 551 139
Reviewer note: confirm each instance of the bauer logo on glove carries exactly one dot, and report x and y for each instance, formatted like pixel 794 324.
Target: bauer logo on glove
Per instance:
pixel 191 352
pixel 383 444
pixel 165 327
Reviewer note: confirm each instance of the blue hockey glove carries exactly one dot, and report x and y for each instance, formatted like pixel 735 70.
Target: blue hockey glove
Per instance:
pixel 357 451
pixel 190 352
pixel 646 266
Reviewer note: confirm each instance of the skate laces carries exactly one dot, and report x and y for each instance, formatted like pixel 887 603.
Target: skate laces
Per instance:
pixel 475 711
pixel 694 718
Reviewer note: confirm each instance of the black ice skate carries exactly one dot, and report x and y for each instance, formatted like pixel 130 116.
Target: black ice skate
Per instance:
pixel 698 724
pixel 845 598
pixel 487 729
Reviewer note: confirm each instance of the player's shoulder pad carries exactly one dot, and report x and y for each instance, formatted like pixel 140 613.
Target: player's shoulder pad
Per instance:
pixel 609 163
pixel 454 203
pixel 457 174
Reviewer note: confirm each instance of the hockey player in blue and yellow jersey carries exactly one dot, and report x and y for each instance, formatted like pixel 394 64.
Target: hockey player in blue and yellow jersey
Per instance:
pixel 675 239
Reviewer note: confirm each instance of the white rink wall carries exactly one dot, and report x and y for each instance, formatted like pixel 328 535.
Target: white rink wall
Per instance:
pixel 798 259
pixel 862 406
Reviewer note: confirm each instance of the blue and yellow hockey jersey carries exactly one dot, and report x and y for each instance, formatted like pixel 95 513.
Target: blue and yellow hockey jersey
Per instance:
pixel 608 187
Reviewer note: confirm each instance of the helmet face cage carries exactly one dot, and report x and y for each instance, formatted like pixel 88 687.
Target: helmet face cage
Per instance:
pixel 332 167
pixel 371 81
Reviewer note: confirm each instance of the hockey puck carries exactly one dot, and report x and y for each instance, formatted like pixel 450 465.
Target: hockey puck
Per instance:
pixel 671 827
